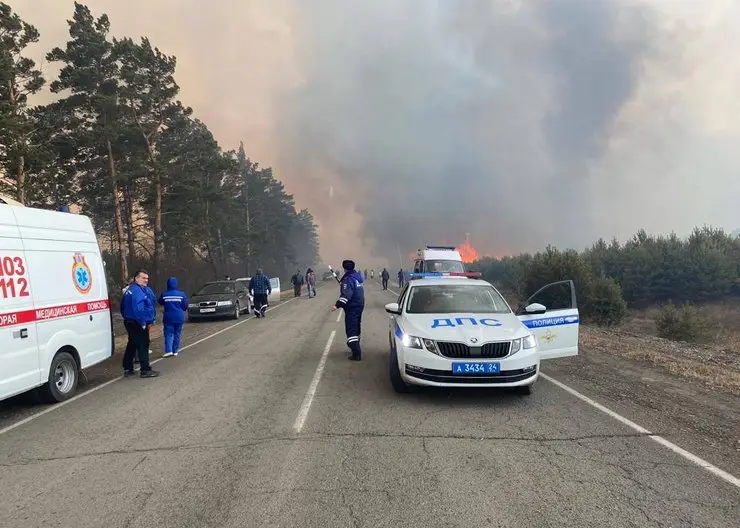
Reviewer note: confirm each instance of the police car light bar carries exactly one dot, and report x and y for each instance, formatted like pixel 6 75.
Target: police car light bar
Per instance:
pixel 438 274
pixel 452 248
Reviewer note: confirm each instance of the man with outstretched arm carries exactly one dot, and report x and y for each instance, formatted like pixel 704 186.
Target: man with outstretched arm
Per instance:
pixel 352 300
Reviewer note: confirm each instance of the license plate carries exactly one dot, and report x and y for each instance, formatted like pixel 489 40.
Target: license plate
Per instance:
pixel 207 310
pixel 476 368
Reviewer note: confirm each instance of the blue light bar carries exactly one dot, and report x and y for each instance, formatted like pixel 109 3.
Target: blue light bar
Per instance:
pixel 441 247
pixel 440 274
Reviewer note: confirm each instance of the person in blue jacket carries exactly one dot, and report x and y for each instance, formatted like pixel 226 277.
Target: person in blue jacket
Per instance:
pixel 175 304
pixel 138 313
pixel 352 300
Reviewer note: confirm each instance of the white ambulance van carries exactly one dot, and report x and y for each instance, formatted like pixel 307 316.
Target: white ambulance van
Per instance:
pixel 55 317
pixel 438 259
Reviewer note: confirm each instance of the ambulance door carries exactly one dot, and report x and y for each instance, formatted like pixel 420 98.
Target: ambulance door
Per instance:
pixel 19 353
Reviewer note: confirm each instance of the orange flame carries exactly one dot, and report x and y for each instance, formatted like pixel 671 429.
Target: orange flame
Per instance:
pixel 468 252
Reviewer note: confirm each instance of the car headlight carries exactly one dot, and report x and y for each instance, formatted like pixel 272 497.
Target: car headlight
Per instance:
pixel 224 303
pixel 431 346
pixel 410 341
pixel 525 342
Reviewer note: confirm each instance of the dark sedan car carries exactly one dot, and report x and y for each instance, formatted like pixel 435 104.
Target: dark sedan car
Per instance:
pixel 224 298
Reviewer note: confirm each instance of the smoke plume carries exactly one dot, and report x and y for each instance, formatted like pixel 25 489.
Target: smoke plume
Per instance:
pixel 523 123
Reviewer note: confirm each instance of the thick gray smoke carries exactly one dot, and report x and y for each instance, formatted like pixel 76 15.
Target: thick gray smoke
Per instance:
pixel 450 117
pixel 521 122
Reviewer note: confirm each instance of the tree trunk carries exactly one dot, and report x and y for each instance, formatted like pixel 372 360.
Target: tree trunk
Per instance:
pixel 117 213
pixel 20 189
pixel 130 235
pixel 158 234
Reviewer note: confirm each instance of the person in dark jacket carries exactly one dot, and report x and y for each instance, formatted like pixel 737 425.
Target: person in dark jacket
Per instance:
pixel 352 300
pixel 138 314
pixel 297 282
pixel 385 276
pixel 175 303
pixel 260 287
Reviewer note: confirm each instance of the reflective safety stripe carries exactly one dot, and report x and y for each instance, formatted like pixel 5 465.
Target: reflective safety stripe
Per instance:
pixel 342 299
pixel 52 312
pixel 352 339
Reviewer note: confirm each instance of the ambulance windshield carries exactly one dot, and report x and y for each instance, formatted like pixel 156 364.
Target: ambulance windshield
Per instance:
pixel 441 266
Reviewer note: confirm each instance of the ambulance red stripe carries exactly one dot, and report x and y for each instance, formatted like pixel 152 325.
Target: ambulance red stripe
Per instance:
pixel 52 312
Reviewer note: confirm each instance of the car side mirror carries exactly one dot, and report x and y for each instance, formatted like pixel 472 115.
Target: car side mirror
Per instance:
pixel 393 308
pixel 241 294
pixel 535 309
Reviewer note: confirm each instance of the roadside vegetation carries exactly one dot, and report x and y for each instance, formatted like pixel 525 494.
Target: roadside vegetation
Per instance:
pixel 119 144
pixel 673 302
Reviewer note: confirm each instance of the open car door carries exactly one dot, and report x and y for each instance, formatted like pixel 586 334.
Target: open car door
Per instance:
pixel 552 315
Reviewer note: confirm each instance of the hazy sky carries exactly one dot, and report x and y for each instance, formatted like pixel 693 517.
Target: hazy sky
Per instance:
pixel 521 122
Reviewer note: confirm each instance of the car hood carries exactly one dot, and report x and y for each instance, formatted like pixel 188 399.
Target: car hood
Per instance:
pixel 485 328
pixel 212 297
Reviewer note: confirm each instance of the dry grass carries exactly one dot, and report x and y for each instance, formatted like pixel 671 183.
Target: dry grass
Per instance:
pixel 713 362
pixel 714 367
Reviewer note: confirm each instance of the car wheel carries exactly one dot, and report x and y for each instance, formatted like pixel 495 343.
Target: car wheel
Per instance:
pixel 526 390
pixel 399 385
pixel 63 378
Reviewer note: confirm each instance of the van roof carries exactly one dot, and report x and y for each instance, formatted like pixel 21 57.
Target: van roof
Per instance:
pixel 39 223
pixel 438 254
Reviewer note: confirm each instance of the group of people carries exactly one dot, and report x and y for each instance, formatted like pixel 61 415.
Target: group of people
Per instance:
pixel 297 281
pixel 138 309
pixel 139 313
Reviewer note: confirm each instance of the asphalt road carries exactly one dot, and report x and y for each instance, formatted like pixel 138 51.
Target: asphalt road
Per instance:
pixel 213 442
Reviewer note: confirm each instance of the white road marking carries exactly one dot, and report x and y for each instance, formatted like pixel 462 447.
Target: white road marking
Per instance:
pixel 339 316
pixel 727 477
pixel 724 475
pixel 308 400
pixel 56 406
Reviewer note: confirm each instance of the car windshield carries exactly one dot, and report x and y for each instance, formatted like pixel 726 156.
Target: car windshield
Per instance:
pixel 455 298
pixel 441 266
pixel 216 288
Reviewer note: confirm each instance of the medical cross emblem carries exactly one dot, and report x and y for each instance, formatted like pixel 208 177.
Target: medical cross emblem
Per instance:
pixel 81 274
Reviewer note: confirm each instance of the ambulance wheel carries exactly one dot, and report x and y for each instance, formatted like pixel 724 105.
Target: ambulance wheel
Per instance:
pixel 63 378
pixel 397 382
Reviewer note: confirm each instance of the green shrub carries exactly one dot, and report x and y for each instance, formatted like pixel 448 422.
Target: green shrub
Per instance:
pixel 679 323
pixel 604 302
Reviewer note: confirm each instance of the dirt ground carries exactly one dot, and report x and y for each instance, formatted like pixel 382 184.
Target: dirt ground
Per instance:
pixel 714 361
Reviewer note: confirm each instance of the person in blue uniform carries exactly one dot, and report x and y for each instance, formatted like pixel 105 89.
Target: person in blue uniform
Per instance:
pixel 138 313
pixel 352 300
pixel 175 304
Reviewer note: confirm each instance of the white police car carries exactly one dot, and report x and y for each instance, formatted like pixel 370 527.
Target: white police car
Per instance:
pixel 451 331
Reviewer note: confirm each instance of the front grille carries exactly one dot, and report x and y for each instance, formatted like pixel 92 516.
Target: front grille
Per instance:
pixel 445 376
pixel 461 350
pixel 496 350
pixel 453 350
